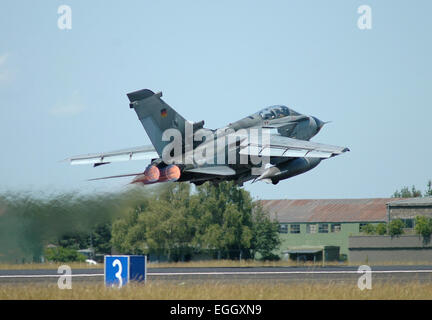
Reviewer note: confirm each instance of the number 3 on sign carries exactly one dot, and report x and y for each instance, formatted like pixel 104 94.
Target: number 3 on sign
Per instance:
pixel 116 271
pixel 117 263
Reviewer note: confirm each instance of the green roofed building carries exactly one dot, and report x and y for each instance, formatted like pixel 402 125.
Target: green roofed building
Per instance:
pixel 313 228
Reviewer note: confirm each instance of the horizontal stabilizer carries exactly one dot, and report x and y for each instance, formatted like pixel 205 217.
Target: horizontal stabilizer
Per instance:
pixel 119 176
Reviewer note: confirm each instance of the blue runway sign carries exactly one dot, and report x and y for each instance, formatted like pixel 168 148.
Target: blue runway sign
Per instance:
pixel 119 270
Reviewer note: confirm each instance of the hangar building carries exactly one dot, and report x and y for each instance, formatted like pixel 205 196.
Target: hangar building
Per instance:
pixel 408 209
pixel 330 229
pixel 313 228
pixel 309 225
pixel 408 248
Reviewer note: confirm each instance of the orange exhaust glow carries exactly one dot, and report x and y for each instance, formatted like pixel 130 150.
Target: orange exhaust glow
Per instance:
pixel 150 175
pixel 170 173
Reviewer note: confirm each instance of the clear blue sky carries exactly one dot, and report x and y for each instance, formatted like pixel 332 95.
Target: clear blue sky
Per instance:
pixel 63 92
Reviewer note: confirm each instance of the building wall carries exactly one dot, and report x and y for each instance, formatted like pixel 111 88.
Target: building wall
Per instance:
pixel 303 238
pixel 376 249
pixel 405 212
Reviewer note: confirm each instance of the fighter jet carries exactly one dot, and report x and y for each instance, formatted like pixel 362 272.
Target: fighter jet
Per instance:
pixel 270 145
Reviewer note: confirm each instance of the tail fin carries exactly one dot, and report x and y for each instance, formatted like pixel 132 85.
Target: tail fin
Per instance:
pixel 156 116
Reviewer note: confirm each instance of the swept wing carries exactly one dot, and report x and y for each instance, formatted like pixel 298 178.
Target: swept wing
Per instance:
pixel 281 146
pixel 137 153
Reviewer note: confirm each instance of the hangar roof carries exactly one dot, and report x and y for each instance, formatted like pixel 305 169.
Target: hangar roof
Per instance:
pixel 412 202
pixel 328 210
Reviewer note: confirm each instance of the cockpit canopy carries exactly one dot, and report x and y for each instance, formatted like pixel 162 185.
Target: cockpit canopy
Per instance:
pixel 275 112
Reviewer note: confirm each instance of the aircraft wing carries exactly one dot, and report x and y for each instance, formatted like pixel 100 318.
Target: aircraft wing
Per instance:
pixel 97 159
pixel 281 146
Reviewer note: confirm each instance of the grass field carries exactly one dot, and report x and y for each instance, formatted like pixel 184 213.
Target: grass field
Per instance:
pixel 219 291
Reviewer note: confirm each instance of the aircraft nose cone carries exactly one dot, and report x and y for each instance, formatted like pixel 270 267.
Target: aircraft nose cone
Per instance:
pixel 319 123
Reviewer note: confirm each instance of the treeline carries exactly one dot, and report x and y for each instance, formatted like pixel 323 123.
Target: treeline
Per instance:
pixel 422 227
pixel 406 192
pixel 170 220
pixel 221 220
pixel 394 228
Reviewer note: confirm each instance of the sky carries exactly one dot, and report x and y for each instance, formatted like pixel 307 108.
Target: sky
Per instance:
pixel 63 91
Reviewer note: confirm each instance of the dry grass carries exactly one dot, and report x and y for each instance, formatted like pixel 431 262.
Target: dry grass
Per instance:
pixel 281 263
pixel 234 264
pixel 218 291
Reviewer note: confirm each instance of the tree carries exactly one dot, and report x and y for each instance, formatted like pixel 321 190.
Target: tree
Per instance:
pixel 76 241
pixel 169 229
pixel 224 219
pixel 162 226
pixel 423 227
pixel 265 237
pixel 60 254
pixel 100 238
pixel 217 219
pixel 381 229
pixel 395 227
pixel 428 191
pixel 405 192
pixel 368 228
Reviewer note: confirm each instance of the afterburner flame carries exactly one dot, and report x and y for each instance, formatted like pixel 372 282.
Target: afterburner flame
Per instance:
pixel 153 175
pixel 170 173
pixel 150 175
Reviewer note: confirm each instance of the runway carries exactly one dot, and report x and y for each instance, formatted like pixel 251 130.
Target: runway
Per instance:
pixel 247 274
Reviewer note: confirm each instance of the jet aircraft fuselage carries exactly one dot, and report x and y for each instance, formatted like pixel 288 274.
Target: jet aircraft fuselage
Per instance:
pixel 269 145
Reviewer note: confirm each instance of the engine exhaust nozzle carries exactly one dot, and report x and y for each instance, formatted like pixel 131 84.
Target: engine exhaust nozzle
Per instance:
pixel 170 173
pixel 150 175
